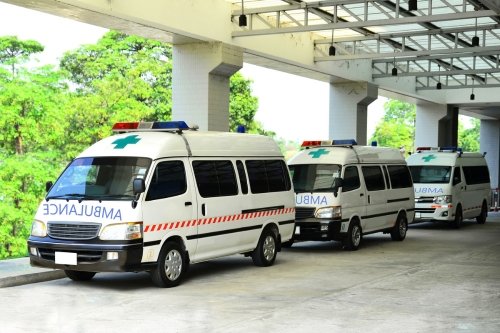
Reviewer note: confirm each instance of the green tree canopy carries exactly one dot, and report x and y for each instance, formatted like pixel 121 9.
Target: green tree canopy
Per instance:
pixel 468 138
pixel 14 51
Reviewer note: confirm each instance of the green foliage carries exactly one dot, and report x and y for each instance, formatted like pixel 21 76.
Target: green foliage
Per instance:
pixel 14 51
pixel 468 138
pixel 397 128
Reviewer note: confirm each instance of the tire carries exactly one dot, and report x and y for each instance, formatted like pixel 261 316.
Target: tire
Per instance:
pixel 398 232
pixel 265 253
pixel 481 218
pixel 171 266
pixel 79 275
pixel 457 223
pixel 353 238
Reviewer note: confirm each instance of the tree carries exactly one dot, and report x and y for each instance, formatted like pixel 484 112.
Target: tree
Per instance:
pixel 397 128
pixel 14 51
pixel 468 138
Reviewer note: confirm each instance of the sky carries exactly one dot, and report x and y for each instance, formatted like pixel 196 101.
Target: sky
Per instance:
pixel 281 108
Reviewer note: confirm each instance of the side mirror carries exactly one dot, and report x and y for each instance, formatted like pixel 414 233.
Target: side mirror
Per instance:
pixel 48 186
pixel 337 183
pixel 138 186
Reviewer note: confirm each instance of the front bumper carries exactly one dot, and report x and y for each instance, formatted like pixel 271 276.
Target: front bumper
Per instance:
pixel 318 230
pixel 439 213
pixel 92 256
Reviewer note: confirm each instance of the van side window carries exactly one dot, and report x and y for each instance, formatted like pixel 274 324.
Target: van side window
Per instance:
pixel 243 177
pixel 457 177
pixel 351 179
pixel 169 179
pixel 268 176
pixel 476 174
pixel 386 176
pixel 374 178
pixel 400 176
pixel 215 178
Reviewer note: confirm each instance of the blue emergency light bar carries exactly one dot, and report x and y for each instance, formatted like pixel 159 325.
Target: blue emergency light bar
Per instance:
pixel 345 142
pixel 451 149
pixel 150 126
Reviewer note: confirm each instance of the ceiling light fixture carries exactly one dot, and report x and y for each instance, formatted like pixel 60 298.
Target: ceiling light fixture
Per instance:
pixel 331 49
pixel 394 69
pixel 242 18
pixel 475 39
pixel 438 85
pixel 412 5
pixel 472 96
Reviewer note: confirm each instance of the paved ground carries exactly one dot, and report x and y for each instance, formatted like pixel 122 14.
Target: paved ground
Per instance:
pixel 437 280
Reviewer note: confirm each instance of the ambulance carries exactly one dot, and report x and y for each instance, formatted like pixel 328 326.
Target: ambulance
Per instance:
pixel 450 185
pixel 344 191
pixel 159 196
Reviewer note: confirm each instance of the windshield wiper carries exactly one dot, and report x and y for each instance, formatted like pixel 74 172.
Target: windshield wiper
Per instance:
pixel 74 196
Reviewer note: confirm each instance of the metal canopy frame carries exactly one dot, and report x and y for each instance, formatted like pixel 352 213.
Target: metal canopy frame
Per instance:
pixel 434 43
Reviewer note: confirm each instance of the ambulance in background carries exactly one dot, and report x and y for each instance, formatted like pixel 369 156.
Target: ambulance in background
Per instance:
pixel 160 196
pixel 450 185
pixel 344 191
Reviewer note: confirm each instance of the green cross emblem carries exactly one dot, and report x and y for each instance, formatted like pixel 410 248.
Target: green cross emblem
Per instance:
pixel 318 153
pixel 428 158
pixel 123 142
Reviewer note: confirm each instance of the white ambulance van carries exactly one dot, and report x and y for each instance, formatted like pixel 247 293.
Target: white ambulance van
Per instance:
pixel 159 196
pixel 450 185
pixel 344 191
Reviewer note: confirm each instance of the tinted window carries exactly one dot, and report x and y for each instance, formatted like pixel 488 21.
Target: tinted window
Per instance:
pixel 215 178
pixel 476 174
pixel 243 177
pixel 457 177
pixel 169 179
pixel 314 177
pixel 374 178
pixel 268 176
pixel 400 176
pixel 351 179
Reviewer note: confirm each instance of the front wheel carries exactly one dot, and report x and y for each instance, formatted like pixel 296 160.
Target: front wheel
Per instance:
pixel 398 232
pixel 78 275
pixel 353 237
pixel 481 219
pixel 170 268
pixel 265 252
pixel 457 223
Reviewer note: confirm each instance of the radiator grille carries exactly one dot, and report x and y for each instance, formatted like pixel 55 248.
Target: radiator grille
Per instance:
pixel 304 212
pixel 73 231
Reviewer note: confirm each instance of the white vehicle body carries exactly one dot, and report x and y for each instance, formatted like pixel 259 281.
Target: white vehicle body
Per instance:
pixel 373 192
pixel 205 194
pixel 450 185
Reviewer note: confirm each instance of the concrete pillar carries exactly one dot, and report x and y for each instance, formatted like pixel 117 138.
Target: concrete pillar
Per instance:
pixel 448 128
pixel 348 110
pixel 427 123
pixel 490 143
pixel 200 83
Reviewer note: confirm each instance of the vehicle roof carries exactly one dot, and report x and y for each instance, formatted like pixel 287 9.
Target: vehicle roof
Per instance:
pixel 347 155
pixel 445 158
pixel 158 144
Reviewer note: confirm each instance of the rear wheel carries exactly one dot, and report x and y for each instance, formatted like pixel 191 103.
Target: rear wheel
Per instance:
pixel 481 218
pixel 79 276
pixel 171 266
pixel 353 238
pixel 265 252
pixel 398 232
pixel 457 223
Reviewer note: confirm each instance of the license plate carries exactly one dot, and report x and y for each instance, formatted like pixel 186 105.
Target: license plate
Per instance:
pixel 66 258
pixel 297 230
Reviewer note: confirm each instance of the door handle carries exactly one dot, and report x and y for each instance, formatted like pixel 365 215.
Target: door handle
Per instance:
pixel 203 209
pixel 361 194
pixel 188 203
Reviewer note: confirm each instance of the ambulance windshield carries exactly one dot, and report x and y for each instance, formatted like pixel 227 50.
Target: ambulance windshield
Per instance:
pixel 314 177
pixel 430 174
pixel 100 178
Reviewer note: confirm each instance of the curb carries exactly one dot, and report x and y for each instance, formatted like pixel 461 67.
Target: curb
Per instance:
pixel 20 280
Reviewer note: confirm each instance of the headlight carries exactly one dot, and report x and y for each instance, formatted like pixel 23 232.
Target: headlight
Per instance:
pixel 329 213
pixel 442 199
pixel 122 231
pixel 38 229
